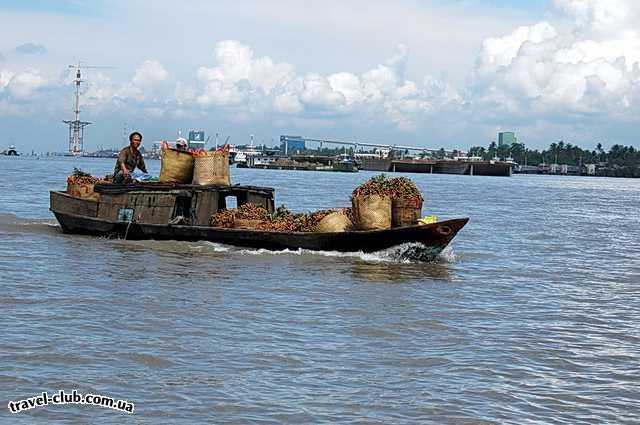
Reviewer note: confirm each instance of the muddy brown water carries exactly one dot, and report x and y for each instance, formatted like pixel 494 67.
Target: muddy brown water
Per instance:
pixel 530 316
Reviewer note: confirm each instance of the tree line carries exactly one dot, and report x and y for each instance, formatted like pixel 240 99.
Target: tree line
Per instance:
pixel 560 153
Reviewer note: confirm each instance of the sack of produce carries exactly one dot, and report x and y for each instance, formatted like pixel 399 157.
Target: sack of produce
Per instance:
pixel 405 211
pixel 406 204
pixel 211 167
pixel 176 166
pixel 372 212
pixel 406 199
pixel 336 221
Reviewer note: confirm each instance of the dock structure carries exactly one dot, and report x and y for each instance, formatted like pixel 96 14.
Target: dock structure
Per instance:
pixel 356 144
pixel 471 168
pixel 387 162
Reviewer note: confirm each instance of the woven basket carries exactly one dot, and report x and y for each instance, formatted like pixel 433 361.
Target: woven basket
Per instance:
pixel 212 169
pixel 372 212
pixel 83 191
pixel 405 212
pixel 176 167
pixel 335 222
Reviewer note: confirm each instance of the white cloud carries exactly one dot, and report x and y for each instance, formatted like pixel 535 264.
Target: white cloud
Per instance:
pixel 318 93
pixel 246 87
pixel 597 16
pixel 548 72
pixel 24 85
pixel 238 76
pixel 5 77
pixel 240 81
pixel 349 85
pixel 150 83
pixel 184 93
pixel 287 103
pixel 150 73
pixel 580 67
pixel 501 51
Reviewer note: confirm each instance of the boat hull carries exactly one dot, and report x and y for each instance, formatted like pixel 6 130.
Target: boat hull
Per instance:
pixel 434 236
pixel 450 167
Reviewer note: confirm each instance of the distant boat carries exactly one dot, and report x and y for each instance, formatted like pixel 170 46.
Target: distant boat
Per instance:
pixel 243 156
pixel 345 163
pixel 11 151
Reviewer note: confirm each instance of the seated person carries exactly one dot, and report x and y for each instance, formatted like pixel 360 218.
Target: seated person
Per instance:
pixel 129 159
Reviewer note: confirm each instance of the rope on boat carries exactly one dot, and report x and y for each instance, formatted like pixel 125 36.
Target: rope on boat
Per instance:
pixel 129 225
pixel 127 231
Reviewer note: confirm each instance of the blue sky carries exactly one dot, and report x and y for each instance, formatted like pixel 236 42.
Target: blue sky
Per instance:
pixel 428 73
pixel 91 7
pixel 53 6
pixel 65 6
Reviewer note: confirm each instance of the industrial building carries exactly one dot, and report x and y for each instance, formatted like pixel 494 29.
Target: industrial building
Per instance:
pixel 291 144
pixel 507 138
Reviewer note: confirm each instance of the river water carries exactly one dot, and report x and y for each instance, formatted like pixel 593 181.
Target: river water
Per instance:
pixel 531 315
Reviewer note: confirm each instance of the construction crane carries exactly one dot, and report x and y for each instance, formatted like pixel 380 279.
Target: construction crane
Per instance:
pixel 76 126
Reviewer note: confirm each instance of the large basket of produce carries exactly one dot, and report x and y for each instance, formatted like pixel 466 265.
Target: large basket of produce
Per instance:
pixel 372 212
pixel 80 185
pixel 406 202
pixel 176 166
pixel 372 204
pixel 337 221
pixel 211 167
pixel 404 197
pixel 405 211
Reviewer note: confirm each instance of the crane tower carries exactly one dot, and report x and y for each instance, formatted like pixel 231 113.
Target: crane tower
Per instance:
pixel 76 126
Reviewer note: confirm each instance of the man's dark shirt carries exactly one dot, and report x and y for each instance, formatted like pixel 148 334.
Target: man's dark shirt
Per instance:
pixel 131 160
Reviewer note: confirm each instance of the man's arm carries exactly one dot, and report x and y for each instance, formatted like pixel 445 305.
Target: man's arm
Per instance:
pixel 141 165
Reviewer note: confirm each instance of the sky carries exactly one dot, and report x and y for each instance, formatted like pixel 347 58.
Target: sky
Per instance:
pixel 430 73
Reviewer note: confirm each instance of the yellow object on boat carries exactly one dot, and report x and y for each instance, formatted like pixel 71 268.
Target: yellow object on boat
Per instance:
pixel 430 219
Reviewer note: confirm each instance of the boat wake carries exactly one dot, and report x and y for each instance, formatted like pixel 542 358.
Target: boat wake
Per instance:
pixel 406 253
pixel 13 223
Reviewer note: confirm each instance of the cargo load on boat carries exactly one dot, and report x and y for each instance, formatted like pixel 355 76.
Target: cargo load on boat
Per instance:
pixel 161 210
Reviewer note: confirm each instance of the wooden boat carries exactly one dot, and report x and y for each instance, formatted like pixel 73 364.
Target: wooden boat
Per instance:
pixel 182 212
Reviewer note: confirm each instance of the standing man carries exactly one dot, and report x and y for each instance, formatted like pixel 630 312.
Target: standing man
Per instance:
pixel 128 159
